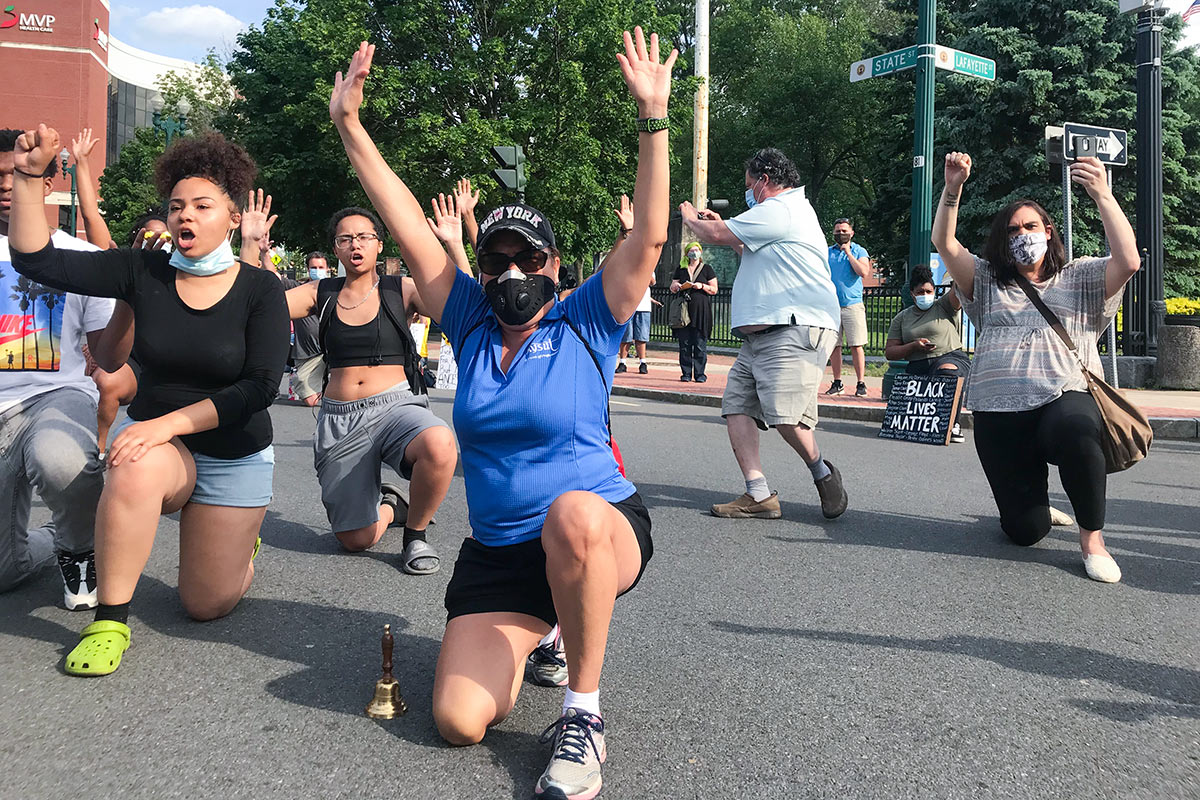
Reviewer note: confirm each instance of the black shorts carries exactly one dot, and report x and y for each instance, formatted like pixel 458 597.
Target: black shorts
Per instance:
pixel 513 577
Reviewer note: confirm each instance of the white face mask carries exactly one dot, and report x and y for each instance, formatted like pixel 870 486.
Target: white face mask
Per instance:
pixel 924 301
pixel 1028 248
pixel 693 255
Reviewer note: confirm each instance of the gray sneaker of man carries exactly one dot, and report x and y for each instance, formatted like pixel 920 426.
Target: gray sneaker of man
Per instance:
pixel 746 507
pixel 574 769
pixel 833 493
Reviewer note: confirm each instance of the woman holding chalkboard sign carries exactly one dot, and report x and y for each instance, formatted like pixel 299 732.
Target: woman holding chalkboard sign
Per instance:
pixel 1027 389
pixel 928 334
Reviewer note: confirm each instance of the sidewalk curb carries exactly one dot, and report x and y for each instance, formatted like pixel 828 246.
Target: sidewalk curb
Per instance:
pixel 1167 428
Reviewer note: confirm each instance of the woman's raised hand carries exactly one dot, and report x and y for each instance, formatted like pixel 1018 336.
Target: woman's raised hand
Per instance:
pixel 625 213
pixel 347 94
pixel 464 198
pixel 446 223
pixel 648 80
pixel 82 145
pixel 958 169
pixel 257 219
pixel 35 150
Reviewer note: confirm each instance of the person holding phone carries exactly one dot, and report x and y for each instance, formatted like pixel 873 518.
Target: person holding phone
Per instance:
pixel 697 280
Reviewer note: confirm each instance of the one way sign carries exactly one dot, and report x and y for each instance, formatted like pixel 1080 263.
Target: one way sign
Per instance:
pixel 1111 143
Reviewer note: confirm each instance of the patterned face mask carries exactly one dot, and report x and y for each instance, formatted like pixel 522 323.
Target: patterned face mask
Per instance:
pixel 1028 248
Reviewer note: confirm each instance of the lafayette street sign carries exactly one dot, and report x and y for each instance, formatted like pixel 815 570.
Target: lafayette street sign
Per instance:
pixel 965 63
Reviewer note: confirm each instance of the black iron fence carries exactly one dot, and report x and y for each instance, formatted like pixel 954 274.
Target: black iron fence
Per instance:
pixel 882 304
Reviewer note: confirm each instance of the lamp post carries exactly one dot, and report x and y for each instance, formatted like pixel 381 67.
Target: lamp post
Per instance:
pixel 170 126
pixel 64 155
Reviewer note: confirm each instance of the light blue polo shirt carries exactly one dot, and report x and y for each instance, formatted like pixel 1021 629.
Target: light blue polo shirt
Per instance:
pixel 784 273
pixel 538 431
pixel 847 282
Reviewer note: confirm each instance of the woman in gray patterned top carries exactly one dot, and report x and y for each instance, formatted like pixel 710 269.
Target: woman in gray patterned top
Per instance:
pixel 1026 388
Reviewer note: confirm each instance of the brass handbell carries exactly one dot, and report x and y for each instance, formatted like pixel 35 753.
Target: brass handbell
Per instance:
pixel 387 702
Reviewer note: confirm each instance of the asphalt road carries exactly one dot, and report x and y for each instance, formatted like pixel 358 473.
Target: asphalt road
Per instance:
pixel 906 650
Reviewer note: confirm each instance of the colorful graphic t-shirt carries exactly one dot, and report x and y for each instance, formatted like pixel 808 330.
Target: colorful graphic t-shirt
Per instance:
pixel 42 331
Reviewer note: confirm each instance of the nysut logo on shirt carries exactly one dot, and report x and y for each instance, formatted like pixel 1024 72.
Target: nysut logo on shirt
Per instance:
pixel 543 349
pixel 31 319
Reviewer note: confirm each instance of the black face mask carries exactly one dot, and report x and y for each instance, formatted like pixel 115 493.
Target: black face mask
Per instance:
pixel 518 300
pixel 841 238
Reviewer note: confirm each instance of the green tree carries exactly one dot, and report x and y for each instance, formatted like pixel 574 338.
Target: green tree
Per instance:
pixel 127 185
pixel 450 81
pixel 1057 61
pixel 207 90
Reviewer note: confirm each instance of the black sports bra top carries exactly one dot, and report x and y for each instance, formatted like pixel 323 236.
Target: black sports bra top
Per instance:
pixel 376 342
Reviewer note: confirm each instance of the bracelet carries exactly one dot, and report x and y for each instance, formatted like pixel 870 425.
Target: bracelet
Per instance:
pixel 652 124
pixel 28 175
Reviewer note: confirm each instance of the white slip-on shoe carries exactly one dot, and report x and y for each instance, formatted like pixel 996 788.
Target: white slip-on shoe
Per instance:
pixel 1060 519
pixel 1101 568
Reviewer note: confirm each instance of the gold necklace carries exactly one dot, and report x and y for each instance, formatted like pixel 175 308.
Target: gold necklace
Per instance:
pixel 360 302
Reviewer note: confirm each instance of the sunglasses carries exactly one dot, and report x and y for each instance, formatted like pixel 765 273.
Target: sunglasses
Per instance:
pixel 526 261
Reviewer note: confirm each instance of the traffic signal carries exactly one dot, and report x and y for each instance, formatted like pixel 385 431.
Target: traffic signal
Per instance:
pixel 511 175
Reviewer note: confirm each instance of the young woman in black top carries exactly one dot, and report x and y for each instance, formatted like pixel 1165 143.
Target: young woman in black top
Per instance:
pixel 212 338
pixel 375 409
pixel 699 281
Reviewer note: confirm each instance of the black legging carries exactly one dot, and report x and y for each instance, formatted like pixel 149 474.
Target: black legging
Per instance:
pixel 693 351
pixel 1015 447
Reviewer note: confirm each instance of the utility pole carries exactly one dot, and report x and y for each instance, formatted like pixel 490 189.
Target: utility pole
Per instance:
pixel 921 225
pixel 1147 290
pixel 700 124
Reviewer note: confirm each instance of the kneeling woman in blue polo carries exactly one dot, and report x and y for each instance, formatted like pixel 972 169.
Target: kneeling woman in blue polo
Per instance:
pixel 557 531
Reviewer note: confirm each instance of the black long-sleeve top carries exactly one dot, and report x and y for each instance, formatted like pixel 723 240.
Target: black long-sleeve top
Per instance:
pixel 232 353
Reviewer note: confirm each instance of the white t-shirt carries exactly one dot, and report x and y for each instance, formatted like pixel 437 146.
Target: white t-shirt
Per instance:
pixel 645 304
pixel 785 268
pixel 41 345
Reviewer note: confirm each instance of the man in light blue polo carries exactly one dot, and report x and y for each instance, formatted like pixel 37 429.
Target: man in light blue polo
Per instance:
pixel 786 310
pixel 848 265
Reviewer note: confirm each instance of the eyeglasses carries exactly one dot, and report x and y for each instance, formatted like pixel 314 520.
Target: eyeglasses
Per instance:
pixel 362 238
pixel 526 261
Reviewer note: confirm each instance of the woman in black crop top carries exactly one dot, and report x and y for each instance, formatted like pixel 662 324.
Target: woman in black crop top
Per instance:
pixel 212 337
pixel 375 409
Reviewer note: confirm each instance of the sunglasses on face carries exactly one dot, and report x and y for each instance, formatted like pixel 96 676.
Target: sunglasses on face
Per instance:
pixel 526 261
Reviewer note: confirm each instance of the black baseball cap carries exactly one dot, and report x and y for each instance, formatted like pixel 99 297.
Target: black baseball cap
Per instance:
pixel 525 220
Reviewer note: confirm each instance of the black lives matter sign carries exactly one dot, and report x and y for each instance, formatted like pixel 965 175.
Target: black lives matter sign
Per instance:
pixel 921 408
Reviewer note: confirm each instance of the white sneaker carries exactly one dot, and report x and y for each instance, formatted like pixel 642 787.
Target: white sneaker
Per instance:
pixel 956 434
pixel 1060 519
pixel 79 579
pixel 1101 568
pixel 574 770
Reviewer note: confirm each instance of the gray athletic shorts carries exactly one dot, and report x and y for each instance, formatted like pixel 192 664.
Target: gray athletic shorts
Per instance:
pixel 353 438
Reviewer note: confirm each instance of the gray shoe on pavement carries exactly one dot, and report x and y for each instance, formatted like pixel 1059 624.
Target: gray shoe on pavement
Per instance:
pixel 547 665
pixel 574 770
pixel 833 493
pixel 746 507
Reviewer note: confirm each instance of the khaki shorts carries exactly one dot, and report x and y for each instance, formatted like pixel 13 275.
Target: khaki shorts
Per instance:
pixel 309 377
pixel 854 326
pixel 777 375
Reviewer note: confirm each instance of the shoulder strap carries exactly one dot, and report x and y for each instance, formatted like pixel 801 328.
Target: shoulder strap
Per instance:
pixel 1055 323
pixel 600 370
pixel 391 296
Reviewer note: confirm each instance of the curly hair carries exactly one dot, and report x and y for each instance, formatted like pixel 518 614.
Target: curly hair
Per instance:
pixel 8 142
pixel 773 164
pixel 212 157
pixel 921 275
pixel 997 254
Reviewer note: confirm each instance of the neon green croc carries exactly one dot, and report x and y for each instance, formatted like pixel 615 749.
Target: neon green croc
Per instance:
pixel 100 647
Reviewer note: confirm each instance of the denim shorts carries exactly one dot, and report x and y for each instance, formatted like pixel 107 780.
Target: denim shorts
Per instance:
pixel 245 482
pixel 638 327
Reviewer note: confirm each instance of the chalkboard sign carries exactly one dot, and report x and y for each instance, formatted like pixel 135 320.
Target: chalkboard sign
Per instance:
pixel 921 408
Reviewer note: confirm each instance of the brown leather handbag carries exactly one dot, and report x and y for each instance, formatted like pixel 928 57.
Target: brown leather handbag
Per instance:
pixel 1126 434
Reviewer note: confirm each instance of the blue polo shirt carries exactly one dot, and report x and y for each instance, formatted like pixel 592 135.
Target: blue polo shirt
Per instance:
pixel 847 282
pixel 531 435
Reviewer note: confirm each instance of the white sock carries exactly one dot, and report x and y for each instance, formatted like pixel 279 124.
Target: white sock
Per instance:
pixel 758 489
pixel 550 638
pixel 584 701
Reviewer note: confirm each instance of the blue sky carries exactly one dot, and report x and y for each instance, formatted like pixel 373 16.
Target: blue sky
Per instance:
pixel 187 30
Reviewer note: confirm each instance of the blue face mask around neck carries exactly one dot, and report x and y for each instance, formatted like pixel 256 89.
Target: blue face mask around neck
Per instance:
pixel 215 262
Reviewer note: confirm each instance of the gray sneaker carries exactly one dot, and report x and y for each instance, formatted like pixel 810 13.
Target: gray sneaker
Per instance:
pixel 547 665
pixel 574 770
pixel 833 494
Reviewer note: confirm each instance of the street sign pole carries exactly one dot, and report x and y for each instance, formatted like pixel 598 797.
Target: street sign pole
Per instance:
pixel 921 225
pixel 1147 290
